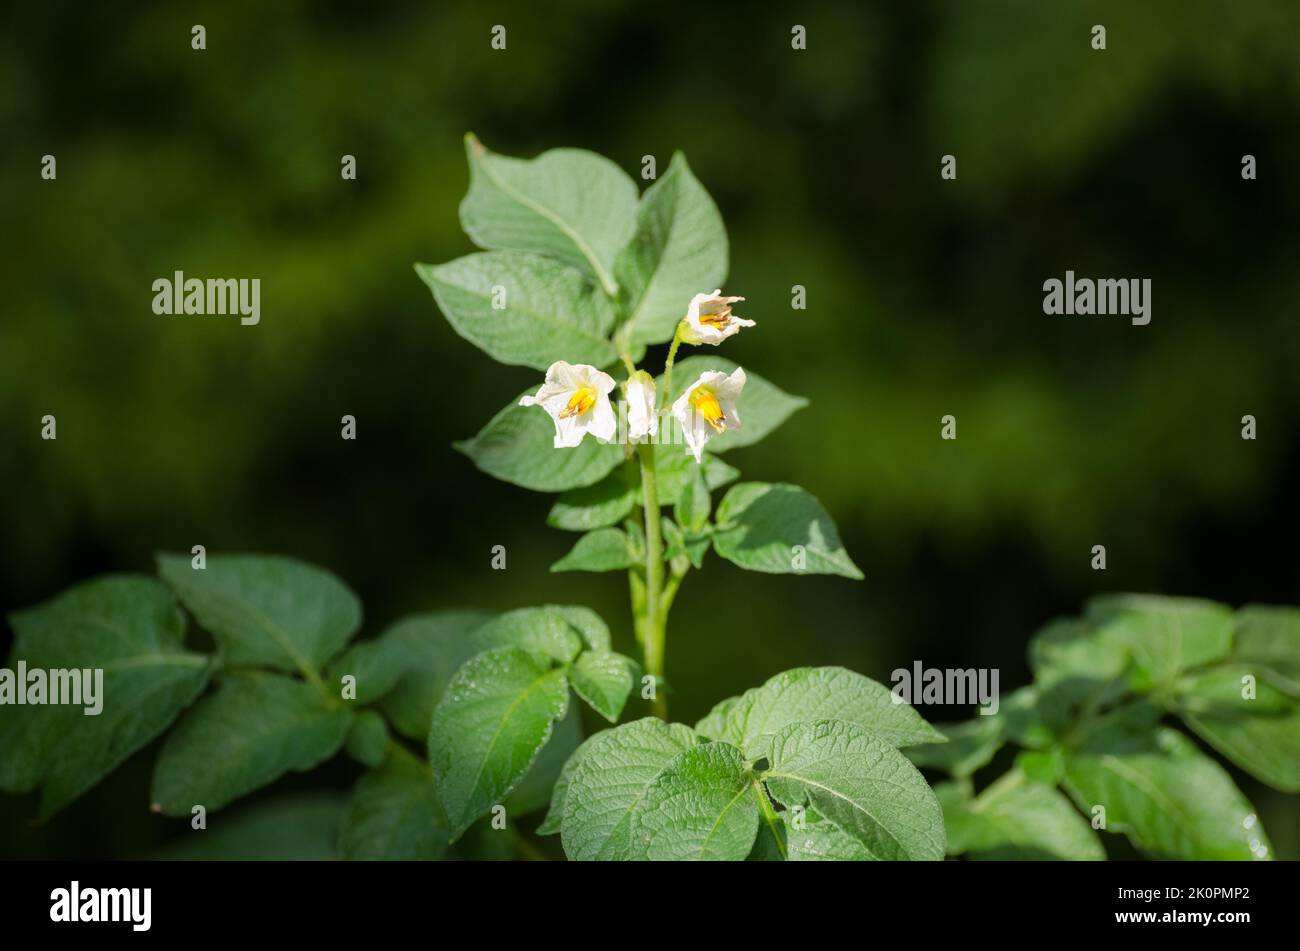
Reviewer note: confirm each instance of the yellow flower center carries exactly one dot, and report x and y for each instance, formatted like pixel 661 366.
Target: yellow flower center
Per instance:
pixel 706 403
pixel 719 320
pixel 583 399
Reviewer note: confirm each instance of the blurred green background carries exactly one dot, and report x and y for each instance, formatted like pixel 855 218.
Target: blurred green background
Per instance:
pixel 924 298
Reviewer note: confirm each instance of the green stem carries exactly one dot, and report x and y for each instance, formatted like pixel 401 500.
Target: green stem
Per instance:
pixel 623 344
pixel 651 598
pixel 1091 716
pixel 1012 779
pixel 530 852
pixel 670 591
pixel 668 366
pixel 398 750
pixel 332 698
pixel 653 629
pixel 636 588
pixel 769 816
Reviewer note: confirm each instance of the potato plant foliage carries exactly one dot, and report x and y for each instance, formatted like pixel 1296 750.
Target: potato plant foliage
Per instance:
pixel 468 723
pixel 1096 731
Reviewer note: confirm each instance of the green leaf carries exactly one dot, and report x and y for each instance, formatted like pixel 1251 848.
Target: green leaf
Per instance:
pixel 589 625
pixel 523 309
pixel 569 204
pixel 493 720
pixel 604 679
pixel 250 731
pixel 375 665
pixel 804 694
pixel 971 745
pixel 484 841
pixel 675 470
pixel 860 782
pixel 395 814
pixel 1017 819
pixel 422 651
pixel 267 610
pixel 1025 715
pixel 779 529
pixel 611 777
pixel 607 502
pixel 1077 667
pixel 1164 636
pixel 534 790
pixel 714 725
pixel 604 549
pixel 541 630
pixel 129 627
pixel 636 541
pixel 954 799
pixel 762 406
pixel 1042 766
pixel 300 827
pixel 679 250
pixel 1069 648
pixel 1260 734
pixel 677 545
pixel 367 741
pixel 555 815
pixel 701 807
pixel 1268 638
pixel 518 446
pixel 1170 799
pixel 814 838
pixel 693 507
pixel 769 845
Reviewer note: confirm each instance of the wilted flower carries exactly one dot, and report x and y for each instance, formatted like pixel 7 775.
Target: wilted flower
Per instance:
pixel 642 420
pixel 709 319
pixel 577 397
pixel 708 407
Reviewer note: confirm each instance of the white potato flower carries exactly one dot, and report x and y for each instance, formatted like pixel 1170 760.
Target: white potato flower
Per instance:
pixel 642 419
pixel 577 397
pixel 709 319
pixel 708 407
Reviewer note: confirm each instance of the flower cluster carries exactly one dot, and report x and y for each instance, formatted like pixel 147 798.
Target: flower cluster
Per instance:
pixel 577 395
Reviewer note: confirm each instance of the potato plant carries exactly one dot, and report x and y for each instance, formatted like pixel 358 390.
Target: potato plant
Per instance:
pixel 467 722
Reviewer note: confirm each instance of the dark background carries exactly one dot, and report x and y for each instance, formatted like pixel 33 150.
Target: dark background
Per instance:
pixel 924 298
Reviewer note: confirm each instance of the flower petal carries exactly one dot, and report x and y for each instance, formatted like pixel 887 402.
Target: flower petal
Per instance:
pixel 602 423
